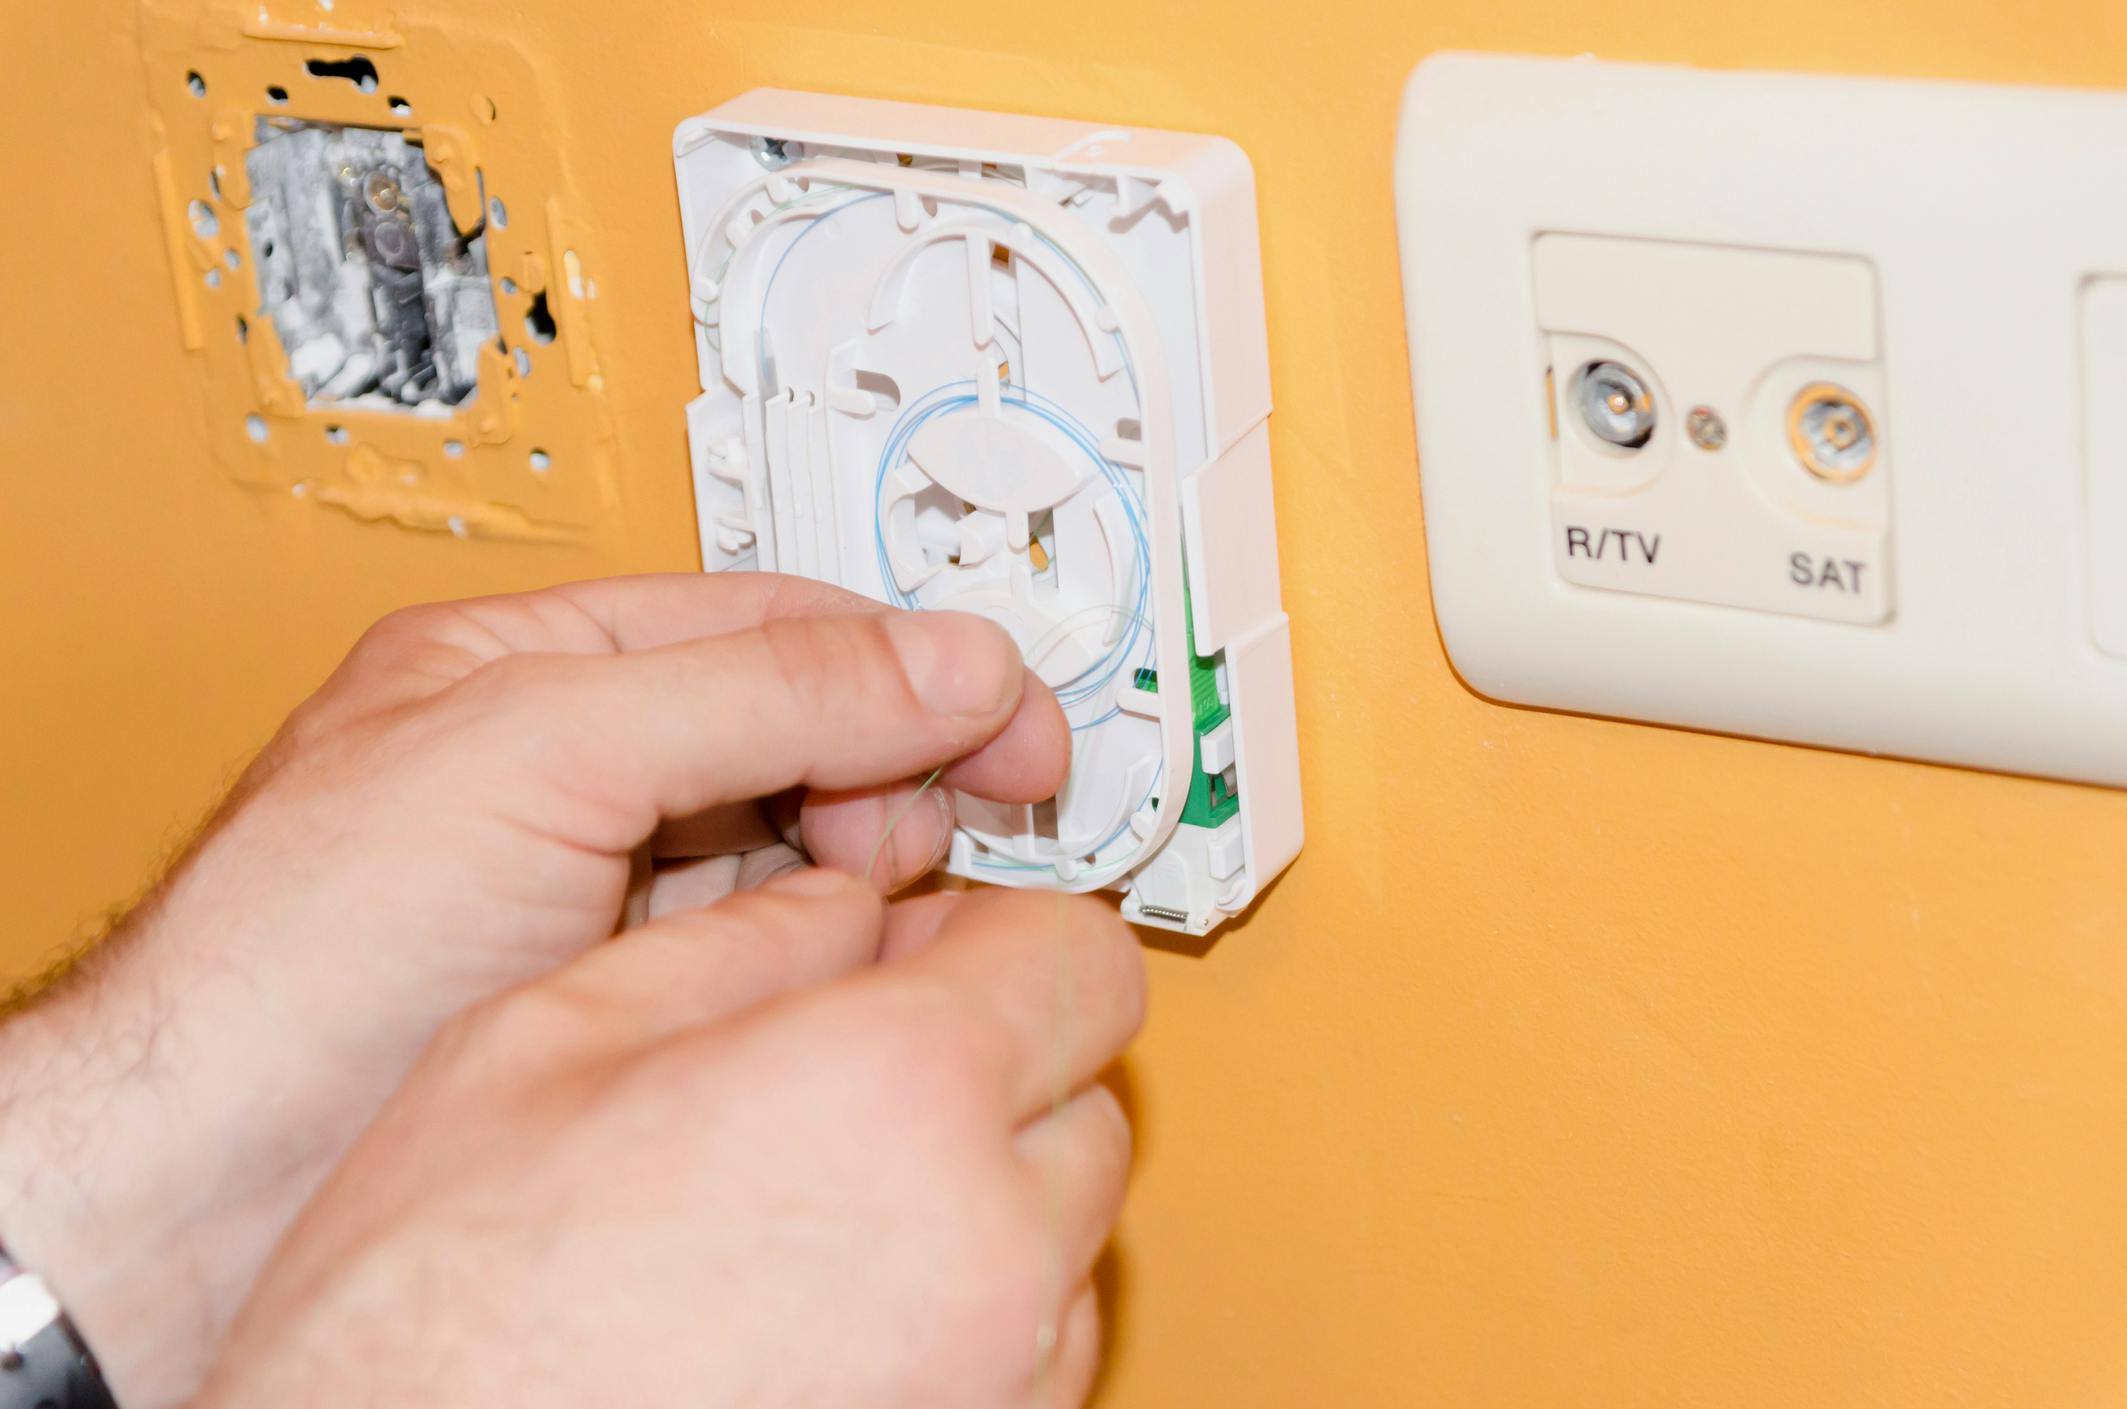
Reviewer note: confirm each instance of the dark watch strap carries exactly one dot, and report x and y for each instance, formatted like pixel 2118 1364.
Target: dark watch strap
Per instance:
pixel 43 1363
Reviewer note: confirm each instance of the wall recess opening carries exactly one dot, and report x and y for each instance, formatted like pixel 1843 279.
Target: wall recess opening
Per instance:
pixel 358 71
pixel 378 298
pixel 539 319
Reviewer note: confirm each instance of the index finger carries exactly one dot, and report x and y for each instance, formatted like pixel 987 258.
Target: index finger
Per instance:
pixel 418 650
pixel 834 700
pixel 645 612
pixel 603 616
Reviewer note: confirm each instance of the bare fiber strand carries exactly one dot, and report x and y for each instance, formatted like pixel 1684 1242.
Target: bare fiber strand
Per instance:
pixel 879 848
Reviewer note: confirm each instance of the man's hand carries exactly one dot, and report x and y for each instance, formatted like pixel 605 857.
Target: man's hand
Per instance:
pixel 458 810
pixel 690 1172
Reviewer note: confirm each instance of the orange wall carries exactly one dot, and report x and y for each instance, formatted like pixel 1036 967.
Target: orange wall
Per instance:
pixel 1575 1062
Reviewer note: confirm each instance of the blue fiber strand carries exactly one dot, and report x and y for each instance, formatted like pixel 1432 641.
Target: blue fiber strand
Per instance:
pixel 957 397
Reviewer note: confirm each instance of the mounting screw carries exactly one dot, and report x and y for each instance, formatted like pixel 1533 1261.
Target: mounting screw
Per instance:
pixel 772 152
pixel 1831 433
pixel 1615 405
pixel 381 192
pixel 1706 428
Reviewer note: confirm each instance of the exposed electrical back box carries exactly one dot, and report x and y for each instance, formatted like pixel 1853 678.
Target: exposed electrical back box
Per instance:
pixel 377 281
pixel 1017 367
pixel 1782 406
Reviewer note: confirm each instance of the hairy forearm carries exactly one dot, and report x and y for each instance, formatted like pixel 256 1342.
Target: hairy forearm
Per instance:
pixel 138 1202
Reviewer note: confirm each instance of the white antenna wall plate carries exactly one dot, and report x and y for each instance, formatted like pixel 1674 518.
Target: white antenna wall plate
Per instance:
pixel 1018 367
pixel 1776 405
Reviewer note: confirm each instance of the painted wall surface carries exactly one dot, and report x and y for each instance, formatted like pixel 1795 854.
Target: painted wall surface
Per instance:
pixel 1575 1061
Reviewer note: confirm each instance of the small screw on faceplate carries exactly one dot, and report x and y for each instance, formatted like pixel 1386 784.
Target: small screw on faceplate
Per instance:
pixel 772 152
pixel 1706 428
pixel 1615 405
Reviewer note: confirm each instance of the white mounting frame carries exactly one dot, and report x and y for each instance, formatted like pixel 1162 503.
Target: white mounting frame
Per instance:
pixel 1989 217
pixel 1017 366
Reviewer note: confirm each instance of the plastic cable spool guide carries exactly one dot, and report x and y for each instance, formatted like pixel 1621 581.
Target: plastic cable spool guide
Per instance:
pixel 1017 367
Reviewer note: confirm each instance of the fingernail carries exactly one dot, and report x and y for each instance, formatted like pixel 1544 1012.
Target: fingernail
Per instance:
pixel 941 804
pixel 958 665
pixel 915 833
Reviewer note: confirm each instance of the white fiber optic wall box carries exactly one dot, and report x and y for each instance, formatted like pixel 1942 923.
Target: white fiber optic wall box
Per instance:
pixel 1017 367
pixel 1782 406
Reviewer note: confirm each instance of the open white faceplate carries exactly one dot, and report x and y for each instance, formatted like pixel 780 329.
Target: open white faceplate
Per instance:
pixel 1017 367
